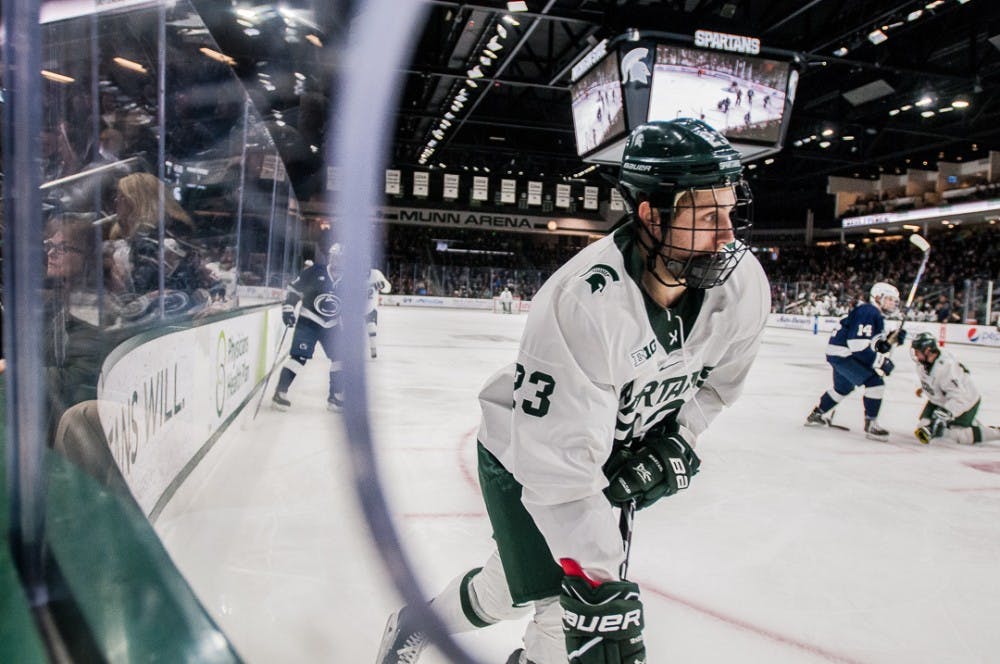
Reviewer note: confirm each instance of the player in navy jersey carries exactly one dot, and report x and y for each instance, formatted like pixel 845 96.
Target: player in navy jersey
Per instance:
pixel 859 354
pixel 316 288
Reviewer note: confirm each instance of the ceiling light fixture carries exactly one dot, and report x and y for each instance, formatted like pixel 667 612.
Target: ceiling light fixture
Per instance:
pixel 476 72
pixel 314 40
pixel 494 44
pixel 518 6
pixel 502 31
pixel 510 20
pixel 484 61
pixel 926 100
pixel 906 107
pixel 914 15
pixel 129 64
pixel 960 102
pixel 57 78
pixel 438 134
pixel 489 54
pixel 894 111
pixel 471 83
pixel 827 132
pixel 847 138
pixel 217 56
pixel 841 52
pixel 824 144
pixel 877 37
pixel 927 114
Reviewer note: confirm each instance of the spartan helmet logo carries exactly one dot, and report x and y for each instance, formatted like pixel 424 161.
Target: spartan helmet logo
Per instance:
pixel 598 277
pixel 634 67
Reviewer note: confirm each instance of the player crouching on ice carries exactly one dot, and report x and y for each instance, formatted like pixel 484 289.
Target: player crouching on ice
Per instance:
pixel 948 387
pixel 630 351
pixel 859 354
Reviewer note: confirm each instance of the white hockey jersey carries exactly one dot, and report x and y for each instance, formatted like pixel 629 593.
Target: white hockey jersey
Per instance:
pixel 948 384
pixel 377 283
pixel 599 364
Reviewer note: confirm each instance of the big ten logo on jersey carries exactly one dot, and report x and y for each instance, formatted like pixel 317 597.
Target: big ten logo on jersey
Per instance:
pixel 643 354
pixel 657 400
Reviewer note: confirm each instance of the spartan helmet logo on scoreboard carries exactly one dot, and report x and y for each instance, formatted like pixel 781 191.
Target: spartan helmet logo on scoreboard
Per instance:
pixel 688 172
pixel 634 67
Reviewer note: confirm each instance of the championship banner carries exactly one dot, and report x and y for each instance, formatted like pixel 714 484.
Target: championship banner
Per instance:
pixel 616 203
pixel 590 198
pixel 393 182
pixel 420 180
pixel 450 185
pixel 562 195
pixel 271 168
pixel 534 193
pixel 508 191
pixel 480 187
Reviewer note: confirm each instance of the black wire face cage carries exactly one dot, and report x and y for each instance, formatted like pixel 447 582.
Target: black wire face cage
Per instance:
pixel 675 248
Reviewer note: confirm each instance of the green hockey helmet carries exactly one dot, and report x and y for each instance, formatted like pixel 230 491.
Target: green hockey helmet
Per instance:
pixel 663 158
pixel 666 164
pixel 924 341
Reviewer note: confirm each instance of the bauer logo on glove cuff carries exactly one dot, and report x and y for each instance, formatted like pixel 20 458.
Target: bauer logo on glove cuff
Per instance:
pixel 615 622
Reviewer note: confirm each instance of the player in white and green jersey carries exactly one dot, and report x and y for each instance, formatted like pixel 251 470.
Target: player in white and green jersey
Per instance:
pixel 630 351
pixel 952 398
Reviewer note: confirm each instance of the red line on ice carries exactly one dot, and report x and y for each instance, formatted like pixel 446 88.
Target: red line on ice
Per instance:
pixel 742 624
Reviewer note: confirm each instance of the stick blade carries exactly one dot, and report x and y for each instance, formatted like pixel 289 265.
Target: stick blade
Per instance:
pixel 921 243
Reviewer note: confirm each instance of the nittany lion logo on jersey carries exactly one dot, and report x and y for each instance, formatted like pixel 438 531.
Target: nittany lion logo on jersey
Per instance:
pixel 634 67
pixel 598 277
pixel 327 305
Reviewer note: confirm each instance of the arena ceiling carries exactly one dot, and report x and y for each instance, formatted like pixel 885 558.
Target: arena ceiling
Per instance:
pixel 518 117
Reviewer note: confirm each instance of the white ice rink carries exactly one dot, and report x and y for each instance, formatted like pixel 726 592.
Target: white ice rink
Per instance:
pixel 792 545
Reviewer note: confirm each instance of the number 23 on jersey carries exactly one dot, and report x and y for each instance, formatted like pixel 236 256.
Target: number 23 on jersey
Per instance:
pixel 542 385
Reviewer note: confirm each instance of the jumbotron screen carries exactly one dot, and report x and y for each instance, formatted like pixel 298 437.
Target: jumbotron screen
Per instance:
pixel 598 111
pixel 741 96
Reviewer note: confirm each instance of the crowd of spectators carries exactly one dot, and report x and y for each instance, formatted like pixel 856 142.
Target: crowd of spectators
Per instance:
pixel 825 280
pixel 830 279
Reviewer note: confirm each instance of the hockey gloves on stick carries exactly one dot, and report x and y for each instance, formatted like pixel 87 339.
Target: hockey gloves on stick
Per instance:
pixel 883 366
pixel 660 466
pixel 288 317
pixel 896 337
pixel 602 624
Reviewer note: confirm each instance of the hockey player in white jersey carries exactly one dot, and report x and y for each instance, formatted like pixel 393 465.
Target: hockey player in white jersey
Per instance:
pixel 377 283
pixel 629 352
pixel 507 300
pixel 952 398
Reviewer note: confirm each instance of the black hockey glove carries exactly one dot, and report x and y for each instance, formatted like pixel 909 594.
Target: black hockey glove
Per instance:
pixel 602 625
pixel 883 366
pixel 661 466
pixel 288 318
pixel 896 337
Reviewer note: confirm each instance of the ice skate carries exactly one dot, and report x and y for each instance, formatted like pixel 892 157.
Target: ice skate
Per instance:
pixel 402 642
pixel 816 419
pixel 280 401
pixel 873 431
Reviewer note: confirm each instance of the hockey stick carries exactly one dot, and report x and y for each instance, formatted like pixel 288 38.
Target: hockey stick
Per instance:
pixel 274 364
pixel 625 522
pixel 924 246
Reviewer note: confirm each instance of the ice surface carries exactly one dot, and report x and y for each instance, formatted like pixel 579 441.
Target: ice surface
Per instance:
pixel 792 545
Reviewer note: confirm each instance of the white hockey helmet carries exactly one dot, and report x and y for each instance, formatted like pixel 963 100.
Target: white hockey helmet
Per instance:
pixel 885 296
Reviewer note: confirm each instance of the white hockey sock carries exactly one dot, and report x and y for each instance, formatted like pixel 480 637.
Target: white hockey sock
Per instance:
pixel 477 599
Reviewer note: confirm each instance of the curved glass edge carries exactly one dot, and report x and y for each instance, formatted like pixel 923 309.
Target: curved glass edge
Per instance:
pixel 164 205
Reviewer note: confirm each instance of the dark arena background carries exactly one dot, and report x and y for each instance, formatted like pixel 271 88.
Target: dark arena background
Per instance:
pixel 171 170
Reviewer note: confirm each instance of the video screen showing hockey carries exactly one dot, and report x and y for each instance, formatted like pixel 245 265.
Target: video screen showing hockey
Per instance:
pixel 741 96
pixel 598 112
